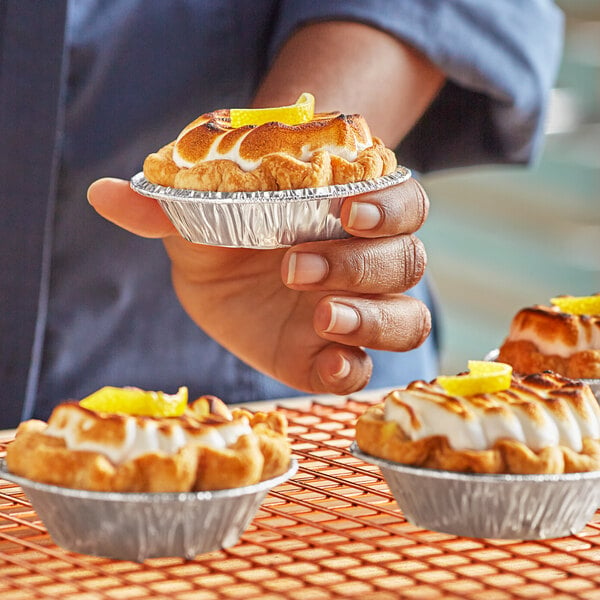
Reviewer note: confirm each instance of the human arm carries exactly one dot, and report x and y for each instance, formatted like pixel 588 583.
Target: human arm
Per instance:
pixel 499 59
pixel 247 300
pixel 399 324
pixel 354 68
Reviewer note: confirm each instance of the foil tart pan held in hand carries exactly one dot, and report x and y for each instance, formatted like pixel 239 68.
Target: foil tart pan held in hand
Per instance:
pixel 267 220
pixel 515 507
pixel 138 526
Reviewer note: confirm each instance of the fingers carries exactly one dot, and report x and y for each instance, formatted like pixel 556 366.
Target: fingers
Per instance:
pixel 401 208
pixel 366 275
pixel 119 204
pixel 340 370
pixel 385 265
pixel 397 323
pixel 382 257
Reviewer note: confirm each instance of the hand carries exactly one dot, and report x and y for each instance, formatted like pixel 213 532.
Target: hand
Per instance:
pixel 300 314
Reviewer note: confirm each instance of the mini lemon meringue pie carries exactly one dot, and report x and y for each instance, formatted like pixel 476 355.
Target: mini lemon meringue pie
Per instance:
pixel 211 155
pixel 208 447
pixel 542 423
pixel 554 338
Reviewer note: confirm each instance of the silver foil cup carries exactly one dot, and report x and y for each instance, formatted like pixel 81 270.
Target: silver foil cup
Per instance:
pixel 137 526
pixel 260 219
pixel 594 384
pixel 523 507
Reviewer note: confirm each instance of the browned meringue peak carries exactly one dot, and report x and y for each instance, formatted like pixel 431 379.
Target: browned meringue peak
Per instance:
pixel 211 137
pixel 122 437
pixel 539 410
pixel 554 332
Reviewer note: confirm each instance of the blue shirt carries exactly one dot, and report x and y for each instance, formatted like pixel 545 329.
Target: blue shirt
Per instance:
pixel 134 72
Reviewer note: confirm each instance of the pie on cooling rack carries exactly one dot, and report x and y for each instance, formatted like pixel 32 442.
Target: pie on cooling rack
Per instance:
pixel 208 447
pixel 211 155
pixel 543 423
pixel 548 338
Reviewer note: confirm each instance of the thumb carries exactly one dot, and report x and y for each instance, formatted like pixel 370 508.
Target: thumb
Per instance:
pixel 118 203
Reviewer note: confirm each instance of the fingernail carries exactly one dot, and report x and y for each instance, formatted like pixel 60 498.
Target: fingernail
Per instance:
pixel 306 268
pixel 363 216
pixel 344 369
pixel 344 319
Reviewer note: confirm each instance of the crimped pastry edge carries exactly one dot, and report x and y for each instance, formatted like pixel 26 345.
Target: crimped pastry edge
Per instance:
pixel 277 171
pixel 525 357
pixel 255 457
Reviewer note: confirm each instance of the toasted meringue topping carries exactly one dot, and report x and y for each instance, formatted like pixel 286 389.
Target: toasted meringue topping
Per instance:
pixel 211 137
pixel 539 410
pixel 554 332
pixel 122 437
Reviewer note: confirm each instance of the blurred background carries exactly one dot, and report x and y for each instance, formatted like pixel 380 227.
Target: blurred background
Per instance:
pixel 501 238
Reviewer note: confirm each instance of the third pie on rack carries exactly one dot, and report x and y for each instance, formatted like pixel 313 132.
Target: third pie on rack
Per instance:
pixel 543 423
pixel 546 338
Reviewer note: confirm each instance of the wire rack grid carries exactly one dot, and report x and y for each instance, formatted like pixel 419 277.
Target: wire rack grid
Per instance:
pixel 332 531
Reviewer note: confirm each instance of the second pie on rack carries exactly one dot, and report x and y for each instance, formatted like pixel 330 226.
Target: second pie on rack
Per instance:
pixel 543 423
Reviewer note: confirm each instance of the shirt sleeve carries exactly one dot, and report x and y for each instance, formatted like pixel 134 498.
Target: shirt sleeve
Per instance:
pixel 500 59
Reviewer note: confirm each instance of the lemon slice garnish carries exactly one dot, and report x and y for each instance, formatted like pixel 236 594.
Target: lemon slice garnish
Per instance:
pixel 301 111
pixel 134 401
pixel 578 305
pixel 483 378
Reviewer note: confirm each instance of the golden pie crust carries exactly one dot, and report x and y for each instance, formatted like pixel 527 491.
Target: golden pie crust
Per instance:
pixel 525 357
pixel 386 439
pixel 261 454
pixel 279 152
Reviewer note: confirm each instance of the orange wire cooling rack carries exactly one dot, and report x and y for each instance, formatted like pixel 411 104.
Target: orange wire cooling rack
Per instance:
pixel 332 531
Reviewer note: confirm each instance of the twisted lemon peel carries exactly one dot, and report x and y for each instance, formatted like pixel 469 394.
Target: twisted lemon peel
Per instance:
pixel 578 305
pixel 483 378
pixel 135 401
pixel 301 111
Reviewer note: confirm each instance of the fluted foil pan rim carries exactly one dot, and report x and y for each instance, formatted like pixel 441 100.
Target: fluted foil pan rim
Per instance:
pixel 260 220
pixel 266 484
pixel 138 526
pixel 496 478
pixel 142 186
pixel 492 506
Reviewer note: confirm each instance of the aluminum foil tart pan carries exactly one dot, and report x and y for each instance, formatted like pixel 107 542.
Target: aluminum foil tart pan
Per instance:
pixel 137 526
pixel 260 219
pixel 515 507
pixel 594 384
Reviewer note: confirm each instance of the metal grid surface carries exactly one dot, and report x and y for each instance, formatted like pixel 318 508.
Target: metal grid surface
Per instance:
pixel 333 531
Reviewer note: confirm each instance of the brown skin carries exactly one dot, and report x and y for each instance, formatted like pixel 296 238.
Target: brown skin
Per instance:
pixel 245 299
pixel 353 68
